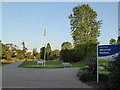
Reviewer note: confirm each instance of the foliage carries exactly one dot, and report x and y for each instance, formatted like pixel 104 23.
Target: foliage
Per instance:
pixel 85 51
pixel 114 79
pixel 20 54
pixel 35 51
pixel 67 55
pixel 42 51
pixel 38 56
pixel 84 31
pixel 10 51
pixel 55 54
pixel 48 51
pixel 66 45
pixel 112 41
pixel 92 64
pixel 89 71
pixel 103 77
pixel 84 26
pixel 84 75
pixel 24 48
pixel 6 61
pixel 118 40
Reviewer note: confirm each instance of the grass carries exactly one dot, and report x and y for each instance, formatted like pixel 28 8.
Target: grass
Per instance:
pixel 49 64
pixel 78 64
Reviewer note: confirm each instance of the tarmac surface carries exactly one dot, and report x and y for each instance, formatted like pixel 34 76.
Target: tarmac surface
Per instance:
pixel 14 77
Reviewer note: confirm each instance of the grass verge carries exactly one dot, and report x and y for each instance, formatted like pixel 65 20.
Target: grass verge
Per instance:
pixel 49 64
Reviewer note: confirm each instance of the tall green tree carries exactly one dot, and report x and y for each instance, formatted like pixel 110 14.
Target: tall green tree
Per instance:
pixel 85 30
pixel 66 45
pixel 84 26
pixel 48 51
pixel 42 51
pixel 112 41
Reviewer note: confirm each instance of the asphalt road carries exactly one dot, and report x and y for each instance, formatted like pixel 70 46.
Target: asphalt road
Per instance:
pixel 14 77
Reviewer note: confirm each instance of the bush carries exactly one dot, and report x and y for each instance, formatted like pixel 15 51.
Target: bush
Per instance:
pixel 67 55
pixel 84 75
pixel 92 63
pixel 103 77
pixel 114 78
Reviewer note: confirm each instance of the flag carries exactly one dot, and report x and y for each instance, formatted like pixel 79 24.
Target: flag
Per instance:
pixel 44 32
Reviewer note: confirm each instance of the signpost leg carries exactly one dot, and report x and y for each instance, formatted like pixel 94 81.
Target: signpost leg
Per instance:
pixel 42 64
pixel 97 66
pixel 37 64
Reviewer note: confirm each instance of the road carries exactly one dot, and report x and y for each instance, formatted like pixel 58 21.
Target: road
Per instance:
pixel 14 77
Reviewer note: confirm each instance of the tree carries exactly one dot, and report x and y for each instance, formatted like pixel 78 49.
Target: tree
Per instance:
pixel 6 51
pixel 20 54
pixel 84 29
pixel 66 45
pixel 67 55
pixel 35 51
pixel 84 26
pixel 42 51
pixel 112 41
pixel 48 51
pixel 118 41
pixel 55 54
pixel 24 48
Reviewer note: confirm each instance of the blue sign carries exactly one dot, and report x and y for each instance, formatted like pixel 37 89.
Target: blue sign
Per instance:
pixel 39 61
pixel 106 50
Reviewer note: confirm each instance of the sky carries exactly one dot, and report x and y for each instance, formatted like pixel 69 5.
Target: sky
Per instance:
pixel 25 21
pixel 119 19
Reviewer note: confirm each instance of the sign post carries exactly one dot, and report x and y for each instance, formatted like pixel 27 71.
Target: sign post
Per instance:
pixel 105 54
pixel 97 66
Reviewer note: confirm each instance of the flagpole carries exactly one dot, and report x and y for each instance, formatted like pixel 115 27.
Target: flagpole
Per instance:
pixel 44 46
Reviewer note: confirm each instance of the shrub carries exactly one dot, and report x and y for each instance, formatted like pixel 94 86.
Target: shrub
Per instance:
pixel 103 77
pixel 84 75
pixel 67 55
pixel 8 58
pixel 114 78
pixel 92 63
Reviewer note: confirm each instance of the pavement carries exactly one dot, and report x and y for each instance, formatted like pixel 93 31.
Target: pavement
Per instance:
pixel 15 77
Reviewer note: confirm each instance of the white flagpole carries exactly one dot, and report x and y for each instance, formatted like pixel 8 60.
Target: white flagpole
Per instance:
pixel 97 66
pixel 44 46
